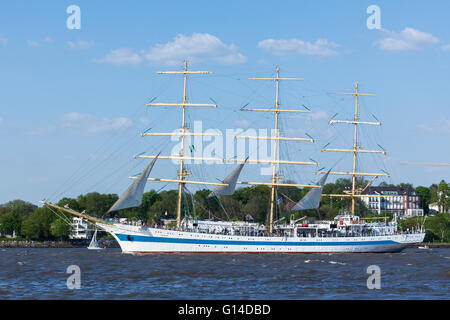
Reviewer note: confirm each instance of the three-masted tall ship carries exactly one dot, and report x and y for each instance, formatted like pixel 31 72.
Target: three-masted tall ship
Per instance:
pixel 346 233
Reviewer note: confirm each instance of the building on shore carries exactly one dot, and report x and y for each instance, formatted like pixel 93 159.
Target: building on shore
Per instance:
pixel 81 229
pixel 5 235
pixel 435 207
pixel 401 201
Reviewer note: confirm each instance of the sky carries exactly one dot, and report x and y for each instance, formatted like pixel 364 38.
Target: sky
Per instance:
pixel 73 95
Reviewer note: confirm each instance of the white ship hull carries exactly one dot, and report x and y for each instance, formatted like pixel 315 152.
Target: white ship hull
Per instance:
pixel 133 239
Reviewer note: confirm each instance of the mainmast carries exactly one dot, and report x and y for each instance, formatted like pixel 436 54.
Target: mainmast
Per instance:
pixel 355 193
pixel 276 138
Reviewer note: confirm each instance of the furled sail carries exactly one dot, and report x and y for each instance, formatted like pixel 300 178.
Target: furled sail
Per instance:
pixel 231 180
pixel 132 197
pixel 312 199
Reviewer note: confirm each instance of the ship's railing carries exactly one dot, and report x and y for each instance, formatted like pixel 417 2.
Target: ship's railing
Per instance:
pixel 263 233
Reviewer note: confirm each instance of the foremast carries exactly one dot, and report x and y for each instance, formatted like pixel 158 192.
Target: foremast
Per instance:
pixel 355 192
pixel 276 138
pixel 183 132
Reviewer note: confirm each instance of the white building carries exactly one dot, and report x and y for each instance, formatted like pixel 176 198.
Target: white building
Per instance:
pixel 404 202
pixel 81 229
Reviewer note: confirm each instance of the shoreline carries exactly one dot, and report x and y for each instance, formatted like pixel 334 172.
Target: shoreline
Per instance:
pixel 55 244
pixel 114 244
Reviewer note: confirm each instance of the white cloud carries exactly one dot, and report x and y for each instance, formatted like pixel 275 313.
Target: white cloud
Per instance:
pixel 144 121
pixel 41 131
pixel 80 44
pixel 121 56
pixel 199 47
pixel 446 47
pixel 322 47
pixel 33 43
pixel 3 40
pixel 320 115
pixel 408 39
pixel 441 126
pixel 242 123
pixel 86 124
pixel 312 116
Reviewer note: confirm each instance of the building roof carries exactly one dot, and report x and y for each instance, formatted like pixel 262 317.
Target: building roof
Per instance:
pixel 402 191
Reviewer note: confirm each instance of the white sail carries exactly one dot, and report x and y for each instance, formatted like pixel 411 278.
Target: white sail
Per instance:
pixel 94 243
pixel 132 197
pixel 312 199
pixel 231 180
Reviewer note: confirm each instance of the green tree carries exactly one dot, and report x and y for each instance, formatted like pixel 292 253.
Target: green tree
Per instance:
pixel 22 208
pixel 72 203
pixel 10 222
pixel 443 196
pixel 165 202
pixel 31 229
pixel 37 225
pixel 60 229
pixel 96 204
pixel 385 184
pixel 440 226
pixel 425 197
pixel 437 227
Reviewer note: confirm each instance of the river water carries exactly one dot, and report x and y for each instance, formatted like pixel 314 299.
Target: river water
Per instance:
pixel 110 274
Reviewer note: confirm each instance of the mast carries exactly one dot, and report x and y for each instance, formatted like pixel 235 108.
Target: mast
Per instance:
pixel 182 173
pixel 184 131
pixel 276 138
pixel 355 193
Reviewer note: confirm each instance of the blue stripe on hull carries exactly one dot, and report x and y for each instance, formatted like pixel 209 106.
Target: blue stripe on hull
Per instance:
pixel 134 238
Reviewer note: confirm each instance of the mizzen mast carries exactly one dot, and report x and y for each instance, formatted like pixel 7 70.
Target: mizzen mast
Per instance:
pixel 276 138
pixel 355 193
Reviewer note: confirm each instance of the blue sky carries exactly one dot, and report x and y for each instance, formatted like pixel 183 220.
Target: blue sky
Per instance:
pixel 72 102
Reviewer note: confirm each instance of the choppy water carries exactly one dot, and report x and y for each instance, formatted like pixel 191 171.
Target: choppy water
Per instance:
pixel 109 274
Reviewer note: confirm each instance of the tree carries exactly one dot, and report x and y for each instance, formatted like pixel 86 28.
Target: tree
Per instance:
pixel 165 202
pixel 37 225
pixel 60 229
pixel 10 223
pixel 203 204
pixel 31 229
pixel 72 203
pixel 22 208
pixel 343 183
pixel 437 227
pixel 425 197
pixel 231 208
pixel 96 204
pixel 443 195
pixel 252 208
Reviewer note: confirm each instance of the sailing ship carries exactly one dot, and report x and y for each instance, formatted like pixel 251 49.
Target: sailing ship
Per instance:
pixel 94 243
pixel 346 233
